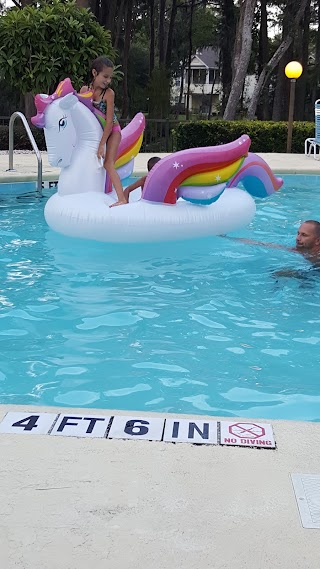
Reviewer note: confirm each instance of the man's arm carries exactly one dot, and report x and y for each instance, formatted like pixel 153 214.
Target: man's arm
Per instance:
pixel 261 243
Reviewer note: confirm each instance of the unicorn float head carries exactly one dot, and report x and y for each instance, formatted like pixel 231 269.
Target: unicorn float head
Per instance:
pixel 73 129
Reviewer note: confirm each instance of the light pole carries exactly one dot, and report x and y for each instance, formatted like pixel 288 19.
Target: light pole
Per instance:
pixel 293 71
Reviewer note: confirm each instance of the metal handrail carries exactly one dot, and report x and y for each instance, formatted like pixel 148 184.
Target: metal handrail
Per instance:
pixel 33 143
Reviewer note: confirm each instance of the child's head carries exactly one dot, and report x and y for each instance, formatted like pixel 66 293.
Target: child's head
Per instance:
pixel 152 161
pixel 101 71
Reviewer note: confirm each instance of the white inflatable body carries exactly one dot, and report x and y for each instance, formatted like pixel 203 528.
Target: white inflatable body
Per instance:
pixel 203 176
pixel 90 217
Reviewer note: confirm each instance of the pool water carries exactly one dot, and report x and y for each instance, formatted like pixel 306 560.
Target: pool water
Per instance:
pixel 202 327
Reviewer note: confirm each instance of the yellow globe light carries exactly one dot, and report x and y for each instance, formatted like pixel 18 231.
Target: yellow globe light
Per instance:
pixel 293 70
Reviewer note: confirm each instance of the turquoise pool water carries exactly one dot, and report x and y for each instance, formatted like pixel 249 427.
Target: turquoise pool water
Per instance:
pixel 196 327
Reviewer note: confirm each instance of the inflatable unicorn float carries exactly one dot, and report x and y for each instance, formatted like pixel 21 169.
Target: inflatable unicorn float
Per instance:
pixel 191 193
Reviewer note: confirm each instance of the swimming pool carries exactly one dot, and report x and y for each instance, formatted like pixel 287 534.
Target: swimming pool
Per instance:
pixel 202 327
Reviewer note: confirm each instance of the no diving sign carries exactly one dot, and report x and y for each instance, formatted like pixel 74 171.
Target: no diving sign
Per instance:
pixel 247 434
pixel 167 429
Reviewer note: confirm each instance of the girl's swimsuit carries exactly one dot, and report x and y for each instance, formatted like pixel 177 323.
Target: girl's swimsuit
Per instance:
pixel 102 107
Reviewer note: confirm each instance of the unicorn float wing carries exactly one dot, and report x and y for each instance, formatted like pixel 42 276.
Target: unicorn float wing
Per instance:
pixel 201 175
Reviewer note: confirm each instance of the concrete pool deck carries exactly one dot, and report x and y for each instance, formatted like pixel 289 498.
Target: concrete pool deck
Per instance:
pixel 77 502
pixel 26 165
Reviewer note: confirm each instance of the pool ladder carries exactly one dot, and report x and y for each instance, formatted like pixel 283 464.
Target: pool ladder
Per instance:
pixel 33 143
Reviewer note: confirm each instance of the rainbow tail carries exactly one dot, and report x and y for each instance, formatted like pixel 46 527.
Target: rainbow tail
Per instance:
pixel 257 177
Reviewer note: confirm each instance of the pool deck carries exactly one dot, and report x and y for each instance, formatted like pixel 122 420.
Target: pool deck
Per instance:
pixel 25 165
pixel 78 502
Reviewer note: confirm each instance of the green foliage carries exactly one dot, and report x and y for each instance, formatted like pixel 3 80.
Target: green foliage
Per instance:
pixel 138 78
pixel 43 44
pixel 204 33
pixel 266 136
pixel 21 140
pixel 159 93
pixel 9 99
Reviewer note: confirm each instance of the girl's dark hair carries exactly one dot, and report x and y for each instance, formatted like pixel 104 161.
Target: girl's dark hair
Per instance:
pixel 100 62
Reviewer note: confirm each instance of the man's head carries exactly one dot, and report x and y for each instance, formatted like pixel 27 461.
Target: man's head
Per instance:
pixel 308 236
pixel 152 161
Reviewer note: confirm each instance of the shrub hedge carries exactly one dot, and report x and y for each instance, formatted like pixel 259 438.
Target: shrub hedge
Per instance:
pixel 21 140
pixel 266 136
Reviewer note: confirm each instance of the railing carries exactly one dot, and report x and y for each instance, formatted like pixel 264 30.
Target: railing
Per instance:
pixel 158 134
pixel 33 143
pixel 4 120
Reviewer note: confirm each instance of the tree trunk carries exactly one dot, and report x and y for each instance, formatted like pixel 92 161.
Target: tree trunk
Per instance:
pixel 103 9
pixel 303 51
pixel 281 97
pixel 227 40
pixel 211 98
pixel 170 34
pixel 189 57
pixel 83 3
pixel 161 35
pixel 152 36
pixel 126 48
pixel 182 84
pixel 275 59
pixel 281 94
pixel 315 91
pixel 238 39
pixel 109 11
pixel 119 24
pixel 241 57
pixel 29 106
pixel 95 6
pixel 263 111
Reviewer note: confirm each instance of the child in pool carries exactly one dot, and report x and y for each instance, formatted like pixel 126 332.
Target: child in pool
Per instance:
pixel 141 181
pixel 103 99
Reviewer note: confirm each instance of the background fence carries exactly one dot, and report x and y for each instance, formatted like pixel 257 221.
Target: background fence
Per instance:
pixel 158 134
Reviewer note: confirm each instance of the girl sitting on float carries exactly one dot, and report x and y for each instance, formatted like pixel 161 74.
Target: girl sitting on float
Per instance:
pixel 103 100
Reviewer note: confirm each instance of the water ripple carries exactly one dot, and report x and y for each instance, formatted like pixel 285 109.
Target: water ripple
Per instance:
pixel 204 326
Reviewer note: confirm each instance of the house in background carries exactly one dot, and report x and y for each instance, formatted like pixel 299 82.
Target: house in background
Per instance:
pixel 205 86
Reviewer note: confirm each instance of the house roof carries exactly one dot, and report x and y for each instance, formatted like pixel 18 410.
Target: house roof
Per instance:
pixel 209 56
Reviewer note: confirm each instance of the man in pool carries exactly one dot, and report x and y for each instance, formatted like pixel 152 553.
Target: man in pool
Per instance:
pixel 307 242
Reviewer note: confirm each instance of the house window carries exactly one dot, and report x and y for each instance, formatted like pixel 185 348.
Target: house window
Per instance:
pixel 199 76
pixel 211 76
